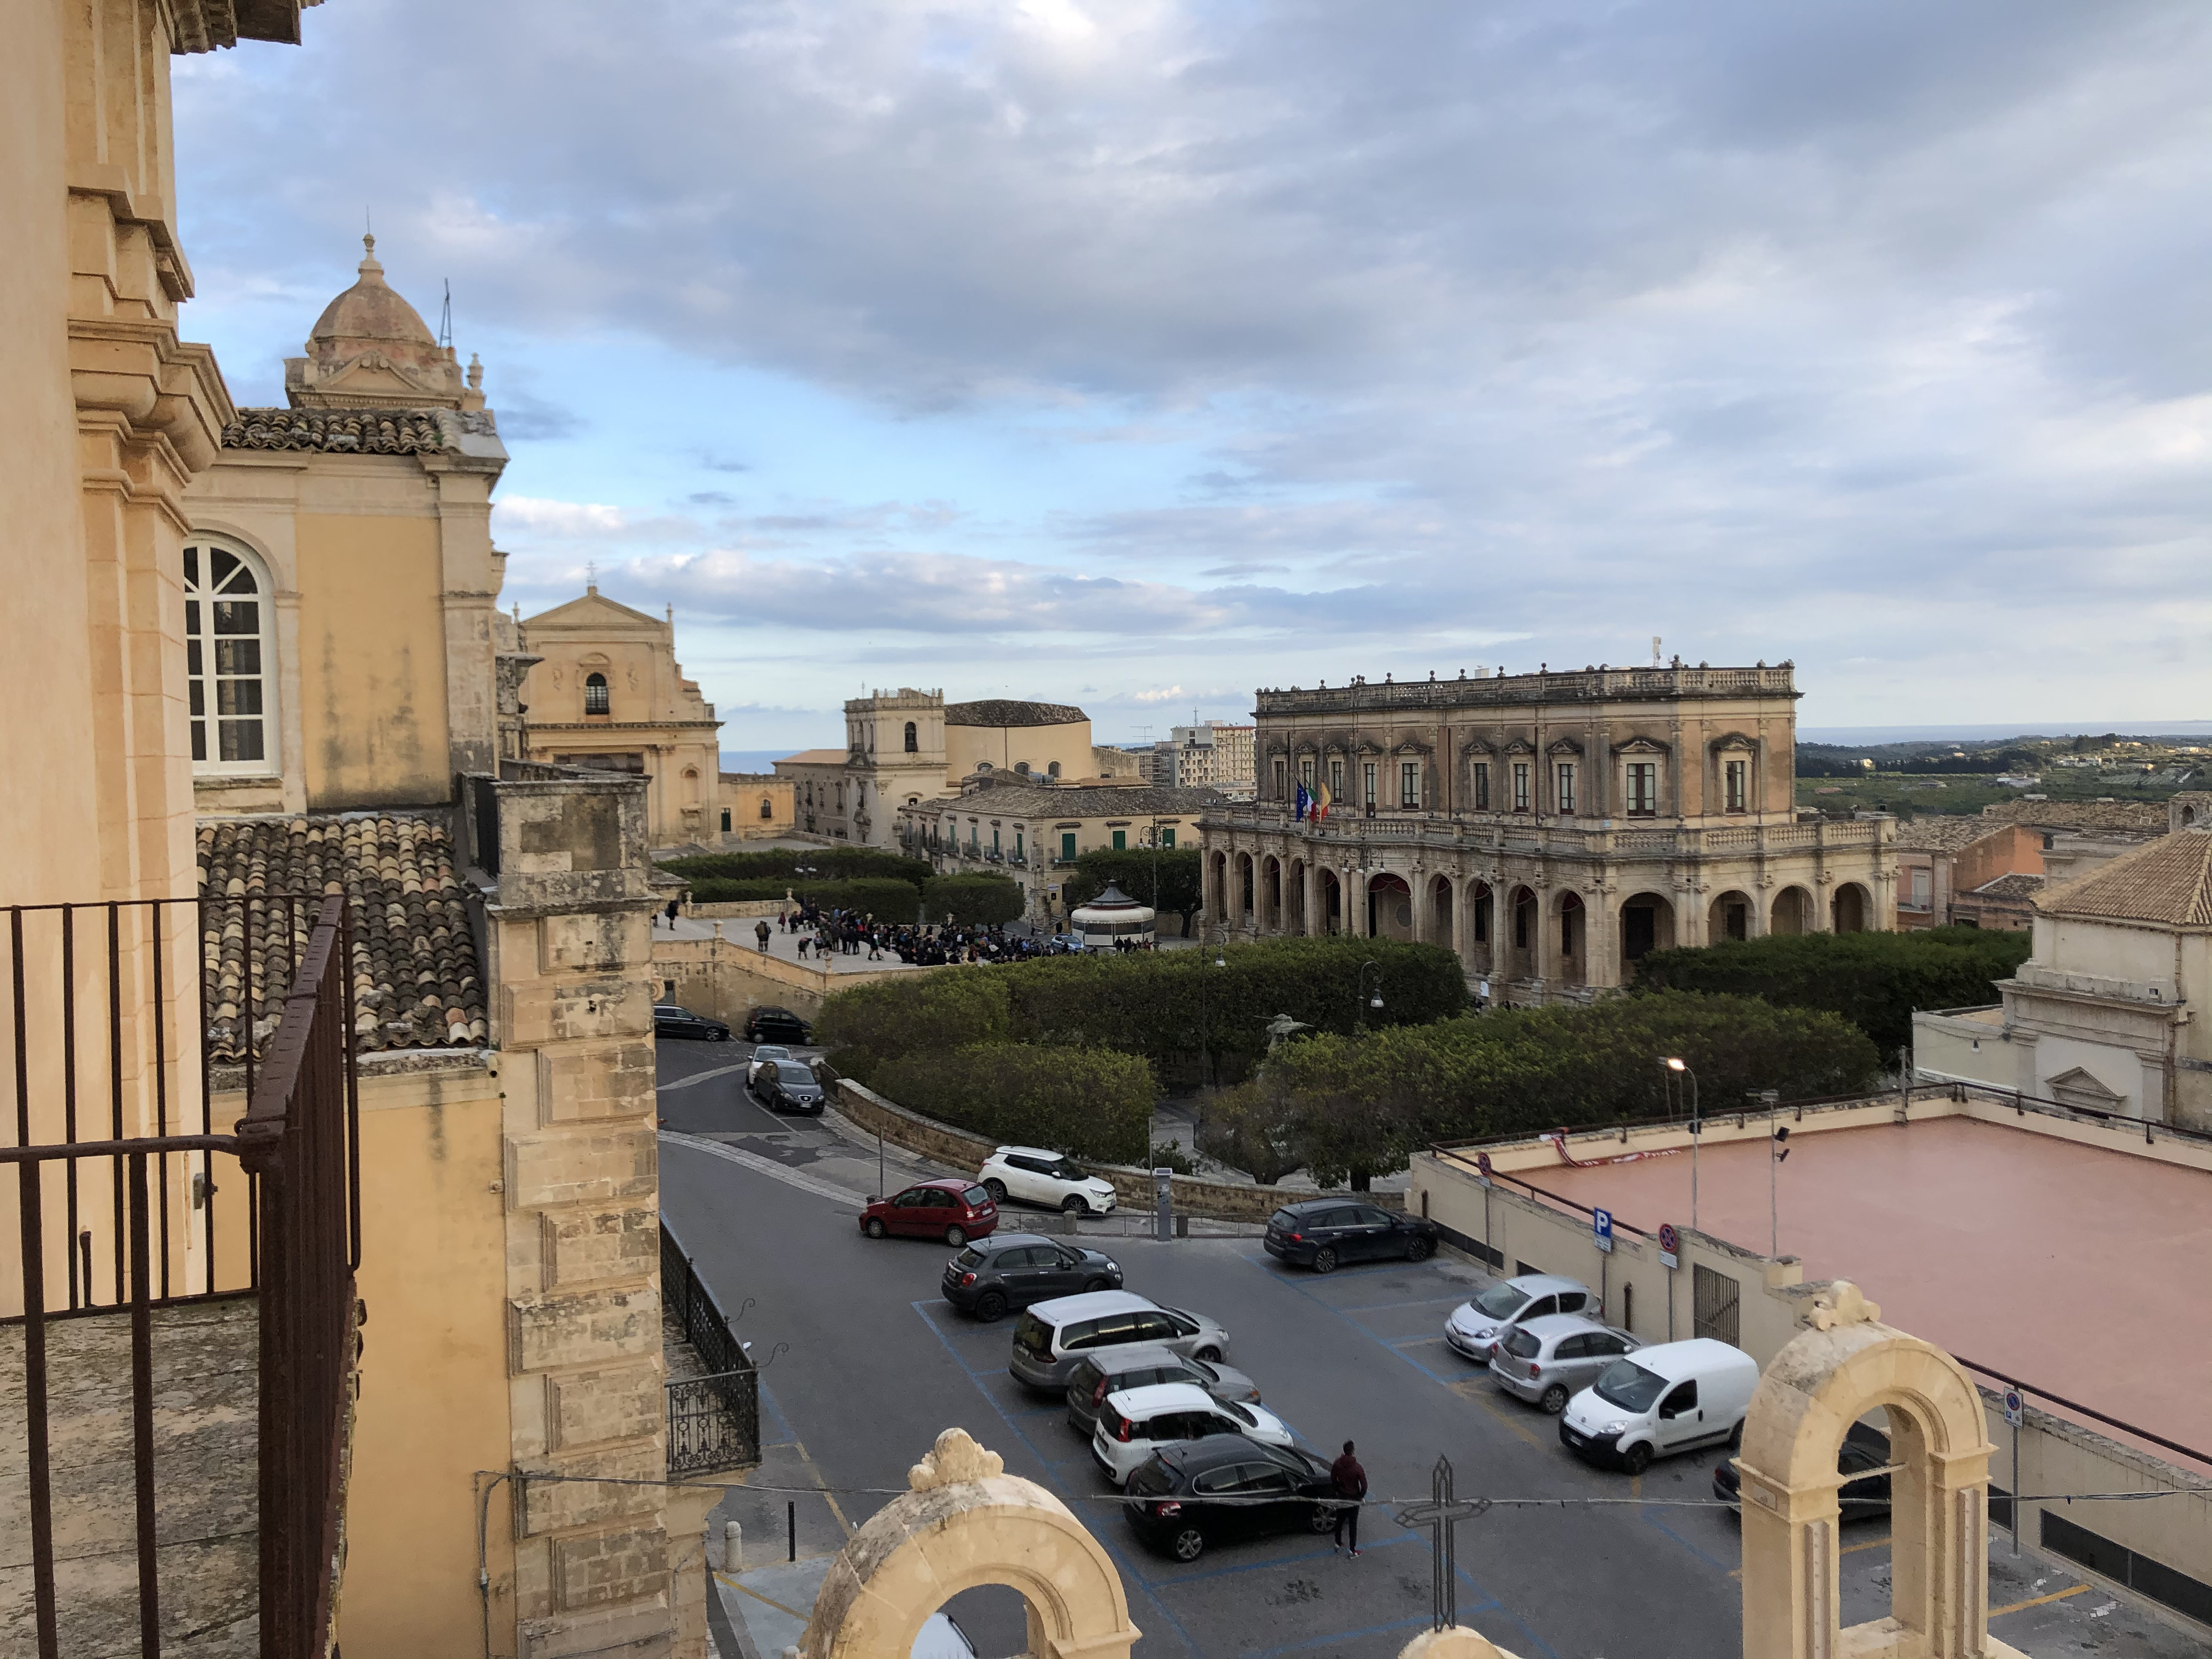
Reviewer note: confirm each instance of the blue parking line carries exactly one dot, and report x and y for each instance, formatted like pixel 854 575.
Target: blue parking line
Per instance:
pixel 1658 1518
pixel 1120 1560
pixel 1418 1301
pixel 1293 1285
pixel 782 1423
pixel 1412 1341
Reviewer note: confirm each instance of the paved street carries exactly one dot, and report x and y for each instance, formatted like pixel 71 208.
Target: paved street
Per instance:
pixel 876 1366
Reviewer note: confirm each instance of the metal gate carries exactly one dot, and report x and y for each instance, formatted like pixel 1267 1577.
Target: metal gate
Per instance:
pixel 1713 1305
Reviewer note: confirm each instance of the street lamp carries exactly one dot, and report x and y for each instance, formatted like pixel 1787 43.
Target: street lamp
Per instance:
pixel 1696 1127
pixel 1361 1003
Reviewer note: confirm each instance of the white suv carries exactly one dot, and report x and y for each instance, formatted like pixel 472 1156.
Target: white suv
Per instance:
pixel 1136 1423
pixel 1036 1176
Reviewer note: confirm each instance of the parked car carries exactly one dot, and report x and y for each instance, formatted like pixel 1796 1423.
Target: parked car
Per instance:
pixel 1665 1398
pixel 1473 1328
pixel 1054 1336
pixel 1324 1233
pixel 1210 1492
pixel 1113 1371
pixel 763 1053
pixel 1013 1270
pixel 941 1638
pixel 953 1210
pixel 1137 1422
pixel 1036 1176
pixel 774 1026
pixel 788 1085
pixel 1864 1448
pixel 671 1021
pixel 1549 1361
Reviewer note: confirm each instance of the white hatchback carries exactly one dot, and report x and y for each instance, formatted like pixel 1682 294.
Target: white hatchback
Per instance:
pixel 1036 1176
pixel 1135 1423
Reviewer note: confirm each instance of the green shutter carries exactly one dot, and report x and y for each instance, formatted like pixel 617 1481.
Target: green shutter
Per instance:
pixel 1068 844
pixel 1121 841
pixel 1167 837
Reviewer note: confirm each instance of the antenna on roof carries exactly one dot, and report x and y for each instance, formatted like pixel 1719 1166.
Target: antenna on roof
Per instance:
pixel 445 318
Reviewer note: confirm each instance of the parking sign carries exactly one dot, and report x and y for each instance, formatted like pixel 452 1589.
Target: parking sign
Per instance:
pixel 1670 1244
pixel 2013 1406
pixel 1602 1228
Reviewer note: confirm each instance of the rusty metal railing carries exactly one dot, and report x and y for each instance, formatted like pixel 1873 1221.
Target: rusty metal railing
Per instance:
pixel 154 1197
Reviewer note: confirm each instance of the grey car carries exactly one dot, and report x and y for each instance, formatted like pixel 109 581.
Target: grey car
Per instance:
pixel 1054 1337
pixel 1549 1360
pixel 1116 1370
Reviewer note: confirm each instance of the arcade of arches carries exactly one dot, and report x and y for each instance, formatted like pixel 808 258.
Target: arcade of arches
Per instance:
pixel 1533 930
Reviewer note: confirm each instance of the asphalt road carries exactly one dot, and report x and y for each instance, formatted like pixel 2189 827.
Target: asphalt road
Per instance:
pixel 877 1365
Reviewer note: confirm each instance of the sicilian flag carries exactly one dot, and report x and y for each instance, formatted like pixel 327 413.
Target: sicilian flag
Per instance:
pixel 1321 802
pixel 1304 803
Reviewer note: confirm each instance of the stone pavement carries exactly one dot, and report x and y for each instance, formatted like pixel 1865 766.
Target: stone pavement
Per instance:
pixel 738 930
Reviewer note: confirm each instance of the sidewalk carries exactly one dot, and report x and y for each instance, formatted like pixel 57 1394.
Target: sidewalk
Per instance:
pixel 782 946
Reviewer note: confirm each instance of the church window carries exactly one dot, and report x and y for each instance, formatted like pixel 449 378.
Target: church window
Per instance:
pixel 595 693
pixel 1736 778
pixel 1643 789
pixel 229 657
pixel 913 739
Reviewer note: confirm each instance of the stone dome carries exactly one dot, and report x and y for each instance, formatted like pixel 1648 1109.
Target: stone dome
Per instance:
pixel 371 310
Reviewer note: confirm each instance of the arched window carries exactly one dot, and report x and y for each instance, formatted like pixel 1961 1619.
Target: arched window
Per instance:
pixel 229 657
pixel 595 693
pixel 1053 770
pixel 767 807
pixel 913 739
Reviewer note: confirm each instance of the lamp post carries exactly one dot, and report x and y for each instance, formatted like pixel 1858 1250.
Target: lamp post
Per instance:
pixel 1360 1003
pixel 1697 1127
pixel 1205 1036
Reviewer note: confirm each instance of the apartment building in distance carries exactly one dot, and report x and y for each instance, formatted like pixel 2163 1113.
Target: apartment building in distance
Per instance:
pixel 1552 829
pixel 1218 755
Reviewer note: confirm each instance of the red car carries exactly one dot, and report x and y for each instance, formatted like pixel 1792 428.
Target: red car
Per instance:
pixel 953 1209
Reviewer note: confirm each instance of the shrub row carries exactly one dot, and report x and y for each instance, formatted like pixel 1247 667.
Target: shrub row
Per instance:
pixel 981 899
pixel 1342 1106
pixel 1091 1102
pixel 890 901
pixel 781 865
pixel 1875 980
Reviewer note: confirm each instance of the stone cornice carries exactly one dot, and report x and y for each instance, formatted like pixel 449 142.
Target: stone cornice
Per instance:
pixel 138 369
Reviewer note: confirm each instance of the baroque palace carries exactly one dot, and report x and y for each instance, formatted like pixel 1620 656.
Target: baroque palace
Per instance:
pixel 1550 828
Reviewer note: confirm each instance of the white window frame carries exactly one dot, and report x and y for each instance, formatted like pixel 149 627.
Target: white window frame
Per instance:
pixel 1520 785
pixel 1643 802
pixel 1736 783
pixel 1409 785
pixel 199 601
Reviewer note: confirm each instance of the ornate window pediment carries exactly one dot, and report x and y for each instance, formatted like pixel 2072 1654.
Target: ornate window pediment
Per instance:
pixel 1640 745
pixel 1520 746
pixel 1475 746
pixel 1414 746
pixel 2080 1087
pixel 1564 746
pixel 1734 740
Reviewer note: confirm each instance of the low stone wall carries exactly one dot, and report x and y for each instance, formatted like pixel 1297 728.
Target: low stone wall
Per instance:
pixel 751 910
pixel 728 978
pixel 1218 1201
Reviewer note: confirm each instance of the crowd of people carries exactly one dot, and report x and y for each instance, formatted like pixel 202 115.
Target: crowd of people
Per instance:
pixel 825 930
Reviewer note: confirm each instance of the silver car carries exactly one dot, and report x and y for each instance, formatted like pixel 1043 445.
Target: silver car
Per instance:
pixel 1054 1336
pixel 1549 1361
pixel 1473 1327
pixel 1112 1370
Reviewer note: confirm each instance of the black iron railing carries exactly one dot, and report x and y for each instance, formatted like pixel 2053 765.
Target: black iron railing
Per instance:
pixel 94 1023
pixel 714 1420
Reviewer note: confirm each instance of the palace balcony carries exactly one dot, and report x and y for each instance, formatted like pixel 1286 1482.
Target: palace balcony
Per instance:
pixel 1352 832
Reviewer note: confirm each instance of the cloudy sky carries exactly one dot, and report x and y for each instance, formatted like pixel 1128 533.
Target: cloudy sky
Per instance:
pixel 1140 352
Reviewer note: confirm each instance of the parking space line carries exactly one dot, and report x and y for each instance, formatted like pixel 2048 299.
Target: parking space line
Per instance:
pixel 1472 1388
pixel 1657 1518
pixel 1412 1341
pixel 1418 1301
pixel 2037 1601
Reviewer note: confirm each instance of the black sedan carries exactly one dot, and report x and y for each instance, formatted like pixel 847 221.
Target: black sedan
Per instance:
pixel 774 1026
pixel 1209 1492
pixel 1012 1270
pixel 671 1021
pixel 787 1085
pixel 1325 1233
pixel 1864 1448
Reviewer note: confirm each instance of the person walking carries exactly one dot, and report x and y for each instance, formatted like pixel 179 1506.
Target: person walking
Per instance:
pixel 760 932
pixel 672 916
pixel 1351 1483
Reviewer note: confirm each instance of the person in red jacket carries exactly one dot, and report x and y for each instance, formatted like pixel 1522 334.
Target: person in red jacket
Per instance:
pixel 1351 1482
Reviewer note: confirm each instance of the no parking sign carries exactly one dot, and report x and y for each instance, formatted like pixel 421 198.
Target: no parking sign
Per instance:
pixel 1670 1244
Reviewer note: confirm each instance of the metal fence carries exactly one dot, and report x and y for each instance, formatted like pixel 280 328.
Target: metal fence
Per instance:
pixel 714 1420
pixel 101 1038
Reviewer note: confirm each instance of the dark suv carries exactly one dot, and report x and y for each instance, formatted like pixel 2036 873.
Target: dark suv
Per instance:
pixel 671 1021
pixel 1324 1233
pixel 774 1026
pixel 1012 1270
pixel 1224 1486
pixel 1864 1448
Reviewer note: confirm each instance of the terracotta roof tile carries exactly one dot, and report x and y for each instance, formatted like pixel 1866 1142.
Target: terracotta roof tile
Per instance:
pixel 2014 886
pixel 2145 816
pixel 356 431
pixel 1007 711
pixel 1943 833
pixel 2167 880
pixel 416 982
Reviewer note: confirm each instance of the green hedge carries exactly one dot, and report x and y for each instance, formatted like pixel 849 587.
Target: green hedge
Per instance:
pixel 1359 1106
pixel 1169 1006
pixel 970 900
pixel 781 865
pixel 890 901
pixel 908 1014
pixel 1090 1102
pixel 1875 980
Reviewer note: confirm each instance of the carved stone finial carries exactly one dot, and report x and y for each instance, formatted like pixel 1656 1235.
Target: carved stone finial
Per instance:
pixel 1842 1304
pixel 956 1457
pixel 476 373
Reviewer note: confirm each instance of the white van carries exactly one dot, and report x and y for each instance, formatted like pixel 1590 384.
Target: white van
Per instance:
pixel 1660 1400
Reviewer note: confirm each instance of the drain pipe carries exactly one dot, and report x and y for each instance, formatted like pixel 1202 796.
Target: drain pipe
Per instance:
pixel 484 1568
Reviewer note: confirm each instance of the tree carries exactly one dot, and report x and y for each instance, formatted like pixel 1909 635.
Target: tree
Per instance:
pixel 1179 888
pixel 978 900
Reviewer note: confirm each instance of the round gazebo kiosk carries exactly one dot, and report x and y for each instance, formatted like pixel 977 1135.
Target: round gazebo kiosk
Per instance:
pixel 1112 919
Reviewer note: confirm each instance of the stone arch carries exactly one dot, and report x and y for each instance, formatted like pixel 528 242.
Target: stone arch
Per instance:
pixel 1847 1364
pixel 1850 911
pixel 1647 924
pixel 1331 919
pixel 966 1523
pixel 1525 921
pixel 1792 912
pixel 1271 894
pixel 1481 926
pixel 1389 906
pixel 1571 920
pixel 1731 916
pixel 1441 917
